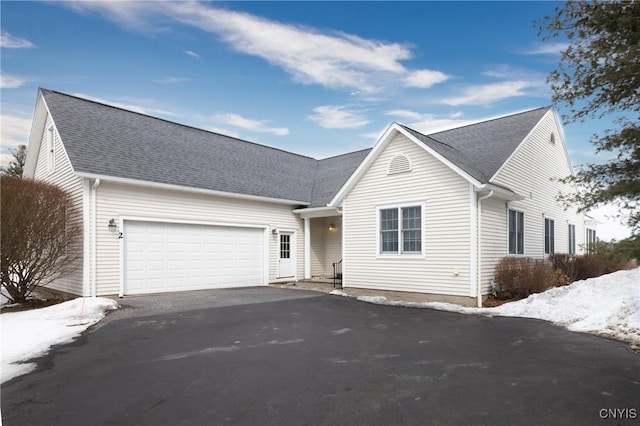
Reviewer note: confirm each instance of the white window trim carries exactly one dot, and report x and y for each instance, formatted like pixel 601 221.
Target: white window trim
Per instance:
pixel 401 255
pixel 524 233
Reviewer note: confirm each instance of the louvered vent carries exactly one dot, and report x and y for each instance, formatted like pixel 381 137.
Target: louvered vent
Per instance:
pixel 399 164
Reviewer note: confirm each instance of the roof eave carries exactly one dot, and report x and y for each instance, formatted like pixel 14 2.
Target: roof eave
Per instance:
pixel 189 189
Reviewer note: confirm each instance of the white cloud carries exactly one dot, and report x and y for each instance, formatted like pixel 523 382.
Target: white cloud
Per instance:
pixel 547 49
pixel 7 41
pixel 260 126
pixel 405 114
pixel 8 81
pixel 488 94
pixel 192 54
pixel 425 78
pixel 14 131
pixel 337 117
pixel 334 60
pixel 171 80
pixel 429 123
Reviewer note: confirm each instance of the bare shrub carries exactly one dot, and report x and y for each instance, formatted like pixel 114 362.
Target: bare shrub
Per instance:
pixel 590 266
pixel 519 277
pixel 565 263
pixel 41 240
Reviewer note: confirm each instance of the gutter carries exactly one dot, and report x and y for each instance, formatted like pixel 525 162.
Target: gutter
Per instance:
pixel 479 268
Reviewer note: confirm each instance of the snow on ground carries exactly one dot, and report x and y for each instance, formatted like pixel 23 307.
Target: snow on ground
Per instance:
pixel 30 334
pixel 608 306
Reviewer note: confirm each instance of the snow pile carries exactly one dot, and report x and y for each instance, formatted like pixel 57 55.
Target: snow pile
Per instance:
pixel 30 334
pixel 608 305
pixel 339 293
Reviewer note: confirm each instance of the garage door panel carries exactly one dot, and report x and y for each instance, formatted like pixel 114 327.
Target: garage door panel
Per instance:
pixel 163 257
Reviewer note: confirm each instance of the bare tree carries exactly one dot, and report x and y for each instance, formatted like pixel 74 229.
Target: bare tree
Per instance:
pixel 41 236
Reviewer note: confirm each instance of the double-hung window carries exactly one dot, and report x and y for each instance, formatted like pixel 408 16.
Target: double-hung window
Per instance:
pixel 401 230
pixel 591 240
pixel 549 236
pixel 516 232
pixel 572 239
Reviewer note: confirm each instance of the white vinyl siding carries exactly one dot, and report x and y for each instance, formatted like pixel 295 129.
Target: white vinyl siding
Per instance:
pixel 540 188
pixel 120 200
pixel 493 238
pixel 326 245
pixel 443 267
pixel 61 175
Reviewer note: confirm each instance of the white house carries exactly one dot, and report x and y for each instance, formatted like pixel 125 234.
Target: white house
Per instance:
pixel 167 207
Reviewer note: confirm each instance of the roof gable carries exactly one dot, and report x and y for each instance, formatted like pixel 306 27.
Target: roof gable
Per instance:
pixel 489 143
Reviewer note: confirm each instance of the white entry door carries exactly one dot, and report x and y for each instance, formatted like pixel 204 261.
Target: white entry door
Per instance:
pixel 287 258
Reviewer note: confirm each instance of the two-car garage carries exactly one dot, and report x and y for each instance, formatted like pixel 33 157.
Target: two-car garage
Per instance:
pixel 163 257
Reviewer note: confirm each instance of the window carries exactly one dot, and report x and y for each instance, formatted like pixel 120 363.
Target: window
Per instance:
pixel 401 230
pixel 591 240
pixel 549 237
pixel 572 239
pixel 285 246
pixel 516 232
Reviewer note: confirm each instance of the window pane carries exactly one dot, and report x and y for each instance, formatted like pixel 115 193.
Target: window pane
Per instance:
pixel 411 229
pixel 389 219
pixel 512 232
pixel 389 231
pixel 520 233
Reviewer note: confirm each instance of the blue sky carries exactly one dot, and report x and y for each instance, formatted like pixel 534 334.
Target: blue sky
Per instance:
pixel 315 78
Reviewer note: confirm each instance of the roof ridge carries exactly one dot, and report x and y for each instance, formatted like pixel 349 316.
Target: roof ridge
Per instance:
pixel 491 119
pixel 42 89
pixel 346 153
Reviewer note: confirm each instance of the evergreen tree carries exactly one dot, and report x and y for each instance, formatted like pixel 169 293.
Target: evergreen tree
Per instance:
pixel 599 75
pixel 16 166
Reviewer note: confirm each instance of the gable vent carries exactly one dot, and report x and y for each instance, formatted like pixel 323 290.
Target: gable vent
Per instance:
pixel 399 164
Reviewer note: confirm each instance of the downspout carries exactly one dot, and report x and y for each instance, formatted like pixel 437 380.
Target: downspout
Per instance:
pixel 307 248
pixel 479 239
pixel 94 256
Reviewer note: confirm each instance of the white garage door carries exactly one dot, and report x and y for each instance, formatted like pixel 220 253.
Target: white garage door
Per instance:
pixel 163 257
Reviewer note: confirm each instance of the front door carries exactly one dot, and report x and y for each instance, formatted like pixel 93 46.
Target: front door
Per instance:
pixel 287 260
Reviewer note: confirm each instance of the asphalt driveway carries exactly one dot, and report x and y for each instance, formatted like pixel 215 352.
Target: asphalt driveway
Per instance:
pixel 276 356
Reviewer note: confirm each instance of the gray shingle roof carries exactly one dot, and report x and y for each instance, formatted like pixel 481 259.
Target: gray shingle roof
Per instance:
pixel 106 140
pixel 480 149
pixel 332 173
